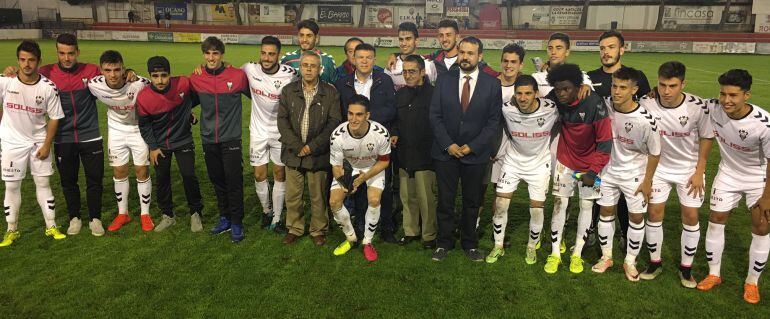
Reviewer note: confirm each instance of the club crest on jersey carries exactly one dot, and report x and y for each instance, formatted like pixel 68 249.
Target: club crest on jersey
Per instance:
pixel 540 121
pixel 370 146
pixel 38 99
pixel 629 126
pixel 683 120
pixel 743 134
pixel 582 116
pixel 181 94
pixel 85 80
pixel 277 84
pixel 130 95
pixel 229 85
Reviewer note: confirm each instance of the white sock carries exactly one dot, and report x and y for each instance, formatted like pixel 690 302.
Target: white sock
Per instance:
pixel 654 240
pixel 12 203
pixel 279 193
pixel 145 195
pixel 121 194
pixel 263 193
pixel 758 251
pixel 557 223
pixel 342 217
pixel 372 218
pixel 715 244
pixel 606 232
pixel 635 239
pixel 583 225
pixel 536 218
pixel 500 219
pixel 689 243
pixel 45 200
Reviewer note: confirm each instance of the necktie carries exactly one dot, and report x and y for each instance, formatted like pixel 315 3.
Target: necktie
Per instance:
pixel 465 98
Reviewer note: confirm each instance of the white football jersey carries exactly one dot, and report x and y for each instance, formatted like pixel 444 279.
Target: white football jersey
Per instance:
pixel 544 88
pixel 530 135
pixel 681 129
pixel 634 137
pixel 265 93
pixel 362 153
pixel 397 74
pixel 121 109
pixel 25 107
pixel 508 93
pixel 744 146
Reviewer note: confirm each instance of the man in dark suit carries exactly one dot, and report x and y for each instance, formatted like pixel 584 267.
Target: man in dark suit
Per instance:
pixel 465 113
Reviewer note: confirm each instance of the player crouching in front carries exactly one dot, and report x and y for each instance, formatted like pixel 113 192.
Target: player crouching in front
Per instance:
pixel 365 145
pixel 743 134
pixel 27 138
pixel 634 158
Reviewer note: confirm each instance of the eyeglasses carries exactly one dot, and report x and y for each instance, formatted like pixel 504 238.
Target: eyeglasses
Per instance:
pixel 411 72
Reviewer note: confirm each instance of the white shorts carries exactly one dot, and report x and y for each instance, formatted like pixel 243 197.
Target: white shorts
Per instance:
pixel 663 183
pixel 611 191
pixel 16 159
pixel 378 181
pixel 496 168
pixel 725 200
pixel 264 150
pixel 120 145
pixel 537 181
pixel 564 184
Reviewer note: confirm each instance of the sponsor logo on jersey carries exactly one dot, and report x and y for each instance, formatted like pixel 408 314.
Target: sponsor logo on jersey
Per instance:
pixel 629 126
pixel 12 92
pixel 515 134
pixel 743 134
pixel 674 134
pixel 266 94
pixel 731 144
pixel 683 120
pixel 20 107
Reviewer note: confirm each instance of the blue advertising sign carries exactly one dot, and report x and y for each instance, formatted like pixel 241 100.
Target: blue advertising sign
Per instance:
pixel 178 10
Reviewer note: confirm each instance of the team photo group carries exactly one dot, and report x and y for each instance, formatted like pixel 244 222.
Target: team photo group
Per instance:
pixel 409 135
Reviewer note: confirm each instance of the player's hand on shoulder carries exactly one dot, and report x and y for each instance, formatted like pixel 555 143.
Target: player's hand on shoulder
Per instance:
pixel 10 71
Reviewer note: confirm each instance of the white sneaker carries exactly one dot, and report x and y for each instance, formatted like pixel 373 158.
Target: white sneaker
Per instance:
pixel 96 227
pixel 195 223
pixel 602 265
pixel 75 225
pixel 632 274
pixel 165 222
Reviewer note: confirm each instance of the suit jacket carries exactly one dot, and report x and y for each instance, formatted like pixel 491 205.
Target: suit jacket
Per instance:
pixel 477 127
pixel 382 97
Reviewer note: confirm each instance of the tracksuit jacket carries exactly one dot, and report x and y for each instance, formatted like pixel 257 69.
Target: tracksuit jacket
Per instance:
pixel 164 116
pixel 220 92
pixel 81 118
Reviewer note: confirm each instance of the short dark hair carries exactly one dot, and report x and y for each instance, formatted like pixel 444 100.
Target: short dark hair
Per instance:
pixel 308 24
pixel 29 46
pixel 271 40
pixel 672 69
pixel 365 47
pixel 213 43
pixel 565 72
pixel 473 40
pixel 416 58
pixel 560 36
pixel 446 23
pixel 111 57
pixel 736 77
pixel 359 99
pixel 409 26
pixel 514 48
pixel 627 74
pixel 611 34
pixel 67 39
pixel 526 80
pixel 351 40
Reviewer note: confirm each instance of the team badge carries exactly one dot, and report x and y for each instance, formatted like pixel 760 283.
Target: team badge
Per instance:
pixel 229 85
pixel 370 146
pixel 582 116
pixel 743 134
pixel 38 99
pixel 130 95
pixel 277 84
pixel 629 126
pixel 181 94
pixel 85 80
pixel 540 121
pixel 683 120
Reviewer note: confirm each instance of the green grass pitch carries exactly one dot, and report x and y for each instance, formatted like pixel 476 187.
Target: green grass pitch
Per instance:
pixel 178 274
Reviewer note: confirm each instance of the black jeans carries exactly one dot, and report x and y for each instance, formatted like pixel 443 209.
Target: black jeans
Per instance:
pixel 471 177
pixel 185 160
pixel 224 163
pixel 68 158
